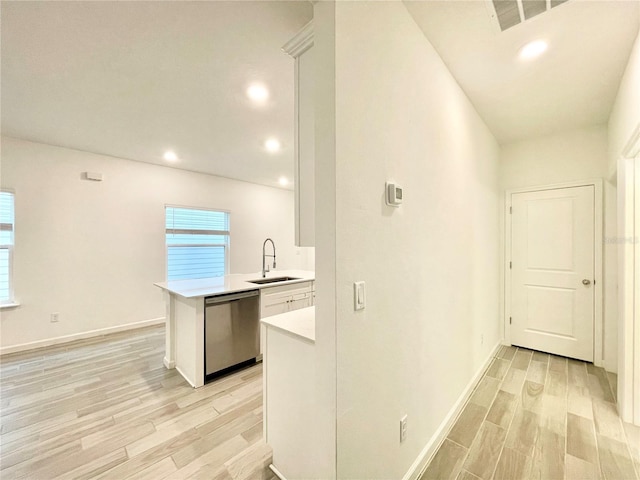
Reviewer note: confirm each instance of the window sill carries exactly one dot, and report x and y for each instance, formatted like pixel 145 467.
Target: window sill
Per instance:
pixel 9 305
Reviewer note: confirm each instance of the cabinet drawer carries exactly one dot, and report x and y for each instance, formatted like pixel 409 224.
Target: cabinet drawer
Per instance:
pixel 284 298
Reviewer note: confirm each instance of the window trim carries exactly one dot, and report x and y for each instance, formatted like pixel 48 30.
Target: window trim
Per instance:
pixel 227 233
pixel 11 301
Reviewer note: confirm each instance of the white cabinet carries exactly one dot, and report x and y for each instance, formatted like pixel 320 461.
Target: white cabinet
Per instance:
pixel 285 298
pixel 300 48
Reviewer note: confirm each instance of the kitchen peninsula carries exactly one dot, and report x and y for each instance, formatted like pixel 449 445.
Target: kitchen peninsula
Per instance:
pixel 185 310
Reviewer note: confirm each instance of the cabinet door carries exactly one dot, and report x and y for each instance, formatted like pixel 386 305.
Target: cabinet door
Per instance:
pixel 275 300
pixel 270 309
pixel 296 304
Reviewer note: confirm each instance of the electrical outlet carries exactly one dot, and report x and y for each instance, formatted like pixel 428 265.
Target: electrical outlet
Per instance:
pixel 55 317
pixel 403 429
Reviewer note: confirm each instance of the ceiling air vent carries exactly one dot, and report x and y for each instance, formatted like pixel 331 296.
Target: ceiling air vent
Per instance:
pixel 512 12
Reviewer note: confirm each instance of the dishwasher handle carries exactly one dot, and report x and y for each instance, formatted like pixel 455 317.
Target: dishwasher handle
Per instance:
pixel 230 297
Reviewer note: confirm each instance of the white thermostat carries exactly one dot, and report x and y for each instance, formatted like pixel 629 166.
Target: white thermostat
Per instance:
pixel 394 194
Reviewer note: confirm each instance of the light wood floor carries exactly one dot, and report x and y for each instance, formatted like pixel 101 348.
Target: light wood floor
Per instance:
pixel 539 416
pixel 108 408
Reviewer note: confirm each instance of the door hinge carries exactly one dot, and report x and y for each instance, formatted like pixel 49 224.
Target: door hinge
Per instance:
pixel 510 265
pixel 594 281
pixel 510 320
pixel 510 210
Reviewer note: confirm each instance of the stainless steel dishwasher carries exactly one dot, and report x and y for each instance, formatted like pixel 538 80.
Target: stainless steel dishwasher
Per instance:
pixel 231 330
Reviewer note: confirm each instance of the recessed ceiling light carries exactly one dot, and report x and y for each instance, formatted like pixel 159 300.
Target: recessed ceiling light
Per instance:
pixel 283 181
pixel 272 145
pixel 258 93
pixel 533 49
pixel 170 156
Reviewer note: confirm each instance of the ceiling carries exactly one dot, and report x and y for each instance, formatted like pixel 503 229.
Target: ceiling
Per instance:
pixel 572 85
pixel 134 79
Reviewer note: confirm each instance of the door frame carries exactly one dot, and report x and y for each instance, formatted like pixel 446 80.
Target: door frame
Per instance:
pixel 598 241
pixel 629 281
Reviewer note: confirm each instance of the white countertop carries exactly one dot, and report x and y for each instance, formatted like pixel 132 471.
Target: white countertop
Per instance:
pixel 204 287
pixel 301 323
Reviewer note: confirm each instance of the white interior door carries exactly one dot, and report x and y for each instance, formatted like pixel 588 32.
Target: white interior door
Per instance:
pixel 552 271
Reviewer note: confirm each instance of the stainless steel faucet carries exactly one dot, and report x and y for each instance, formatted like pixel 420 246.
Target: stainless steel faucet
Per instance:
pixel 265 267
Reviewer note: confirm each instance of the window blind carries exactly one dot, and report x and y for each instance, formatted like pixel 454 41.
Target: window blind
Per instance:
pixel 197 242
pixel 7 221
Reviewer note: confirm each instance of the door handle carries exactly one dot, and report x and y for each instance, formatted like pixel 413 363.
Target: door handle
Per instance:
pixel 586 282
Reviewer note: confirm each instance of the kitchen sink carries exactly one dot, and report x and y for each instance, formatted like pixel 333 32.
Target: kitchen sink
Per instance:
pixel 262 281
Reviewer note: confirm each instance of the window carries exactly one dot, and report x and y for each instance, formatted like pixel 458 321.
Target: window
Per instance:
pixel 197 243
pixel 6 247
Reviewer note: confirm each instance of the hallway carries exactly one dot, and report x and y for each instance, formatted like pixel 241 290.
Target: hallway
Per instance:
pixel 539 416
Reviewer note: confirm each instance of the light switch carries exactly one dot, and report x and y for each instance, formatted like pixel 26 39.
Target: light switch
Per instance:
pixel 359 298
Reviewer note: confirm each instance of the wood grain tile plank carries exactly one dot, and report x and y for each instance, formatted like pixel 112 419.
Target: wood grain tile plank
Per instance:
pixel 502 409
pixel 513 381
pixel 553 414
pixel 540 357
pixel 507 352
pixel 579 402
pixel 548 457
pixel 578 374
pixel 139 462
pixel 251 464
pixel 41 460
pixel 531 397
pixel 557 364
pixel 485 451
pixel 498 368
pixel 598 383
pixel 579 469
pixel 28 451
pixel 633 440
pixel 447 462
pixel 161 469
pixel 556 383
pixel 521 359
pixel 605 416
pixel 613 385
pixel 91 470
pixel 615 460
pixel 210 442
pixel 215 456
pixel 581 440
pixel 467 425
pixel 537 372
pixel 464 475
pixel 523 432
pixel 485 392
pixel 512 465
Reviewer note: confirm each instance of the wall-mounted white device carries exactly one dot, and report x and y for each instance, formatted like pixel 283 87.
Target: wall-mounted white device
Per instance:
pixel 394 194
pixel 94 176
pixel 359 300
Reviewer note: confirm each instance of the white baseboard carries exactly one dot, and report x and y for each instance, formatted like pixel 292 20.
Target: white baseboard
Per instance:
pixel 168 364
pixel 185 377
pixel 436 440
pixel 79 336
pixel 277 472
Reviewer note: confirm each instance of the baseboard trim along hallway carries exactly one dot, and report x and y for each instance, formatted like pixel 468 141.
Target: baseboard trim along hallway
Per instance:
pixel 430 449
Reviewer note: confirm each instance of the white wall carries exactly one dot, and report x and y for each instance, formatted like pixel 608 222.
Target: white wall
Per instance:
pixel 571 156
pixel 92 250
pixel 625 115
pixel 623 123
pixel 430 266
